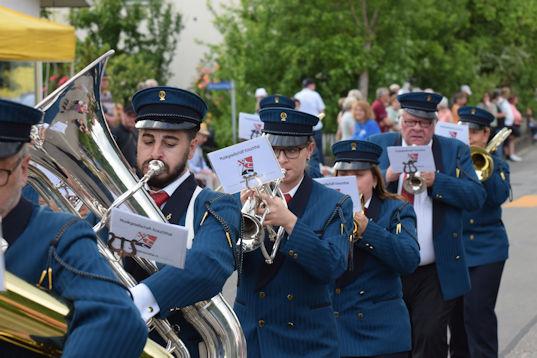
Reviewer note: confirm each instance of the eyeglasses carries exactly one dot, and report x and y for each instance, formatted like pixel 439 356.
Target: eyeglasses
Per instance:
pixel 290 152
pixel 413 122
pixel 5 173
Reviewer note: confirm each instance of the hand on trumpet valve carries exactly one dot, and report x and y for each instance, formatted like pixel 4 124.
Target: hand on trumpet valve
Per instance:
pixel 245 194
pixel 278 214
pixel 428 178
pixel 362 221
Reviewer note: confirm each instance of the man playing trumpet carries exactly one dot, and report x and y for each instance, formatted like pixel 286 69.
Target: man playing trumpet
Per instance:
pixel 442 276
pixel 284 307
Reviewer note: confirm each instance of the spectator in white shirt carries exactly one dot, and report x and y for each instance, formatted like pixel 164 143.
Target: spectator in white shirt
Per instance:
pixel 312 103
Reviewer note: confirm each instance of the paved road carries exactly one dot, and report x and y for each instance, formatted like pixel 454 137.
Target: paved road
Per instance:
pixel 517 302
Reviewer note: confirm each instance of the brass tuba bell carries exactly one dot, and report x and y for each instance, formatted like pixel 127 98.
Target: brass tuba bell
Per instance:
pixel 481 157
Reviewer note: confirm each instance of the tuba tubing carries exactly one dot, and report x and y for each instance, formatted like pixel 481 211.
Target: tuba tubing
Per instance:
pixel 77 147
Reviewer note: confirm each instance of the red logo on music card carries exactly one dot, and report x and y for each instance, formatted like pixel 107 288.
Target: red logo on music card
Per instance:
pixel 247 165
pixel 453 134
pixel 145 240
pixel 413 156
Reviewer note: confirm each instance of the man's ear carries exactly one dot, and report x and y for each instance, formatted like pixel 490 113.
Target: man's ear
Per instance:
pixel 25 163
pixel 310 148
pixel 192 147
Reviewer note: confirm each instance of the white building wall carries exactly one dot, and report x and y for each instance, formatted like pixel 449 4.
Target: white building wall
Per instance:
pixel 198 29
pixel 29 7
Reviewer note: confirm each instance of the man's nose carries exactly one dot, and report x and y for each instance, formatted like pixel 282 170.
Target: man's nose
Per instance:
pixel 156 153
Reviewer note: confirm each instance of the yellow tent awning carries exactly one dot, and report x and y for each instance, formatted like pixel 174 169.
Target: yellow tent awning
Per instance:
pixel 27 38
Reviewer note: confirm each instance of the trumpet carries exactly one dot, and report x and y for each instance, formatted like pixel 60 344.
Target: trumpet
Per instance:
pixel 481 157
pixel 254 229
pixel 413 183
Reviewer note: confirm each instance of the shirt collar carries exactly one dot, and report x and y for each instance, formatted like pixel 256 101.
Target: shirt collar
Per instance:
pixel 170 188
pixel 368 202
pixel 292 192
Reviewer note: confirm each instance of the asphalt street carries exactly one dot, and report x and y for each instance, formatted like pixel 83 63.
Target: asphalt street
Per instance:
pixel 517 301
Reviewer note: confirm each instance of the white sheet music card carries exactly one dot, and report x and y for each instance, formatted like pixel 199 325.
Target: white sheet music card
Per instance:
pixel 345 185
pixel 453 130
pixel 135 234
pixel 254 157
pixel 250 125
pixel 420 155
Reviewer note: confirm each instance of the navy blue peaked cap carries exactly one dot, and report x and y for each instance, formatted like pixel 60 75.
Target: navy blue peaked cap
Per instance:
pixel 475 117
pixel 277 101
pixel 420 104
pixel 287 127
pixel 168 108
pixel 16 121
pixel 355 154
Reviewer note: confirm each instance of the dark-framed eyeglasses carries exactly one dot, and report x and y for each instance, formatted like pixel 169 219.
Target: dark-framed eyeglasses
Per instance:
pixel 289 152
pixel 413 122
pixel 6 173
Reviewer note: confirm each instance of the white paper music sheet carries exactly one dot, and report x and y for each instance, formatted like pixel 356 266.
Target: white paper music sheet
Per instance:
pixel 251 159
pixel 421 156
pixel 161 242
pixel 452 130
pixel 250 125
pixel 345 185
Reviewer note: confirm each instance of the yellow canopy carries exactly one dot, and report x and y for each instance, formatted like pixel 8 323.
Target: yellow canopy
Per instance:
pixel 26 38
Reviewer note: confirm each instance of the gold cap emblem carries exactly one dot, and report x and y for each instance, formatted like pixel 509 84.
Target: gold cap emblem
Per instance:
pixel 283 116
pixel 429 98
pixel 277 99
pixel 472 111
pixel 353 146
pixel 162 95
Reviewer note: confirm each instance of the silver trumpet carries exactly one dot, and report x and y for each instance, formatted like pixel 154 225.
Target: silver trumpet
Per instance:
pixel 255 229
pixel 76 146
pixel 413 183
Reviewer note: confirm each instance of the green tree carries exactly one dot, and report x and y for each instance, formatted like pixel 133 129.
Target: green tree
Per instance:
pixel 367 44
pixel 144 36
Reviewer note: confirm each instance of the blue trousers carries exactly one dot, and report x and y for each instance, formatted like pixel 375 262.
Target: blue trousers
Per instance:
pixel 473 325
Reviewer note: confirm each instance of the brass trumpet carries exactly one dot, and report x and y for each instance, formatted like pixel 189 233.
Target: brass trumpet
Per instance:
pixel 482 158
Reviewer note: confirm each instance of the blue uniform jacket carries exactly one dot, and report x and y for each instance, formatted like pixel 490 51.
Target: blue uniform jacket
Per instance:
pixel 372 318
pixel 285 308
pixel 314 168
pixel 485 238
pixel 104 321
pixel 455 189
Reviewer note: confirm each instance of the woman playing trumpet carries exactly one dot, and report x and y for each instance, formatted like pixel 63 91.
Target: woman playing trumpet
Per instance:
pixel 284 307
pixel 372 318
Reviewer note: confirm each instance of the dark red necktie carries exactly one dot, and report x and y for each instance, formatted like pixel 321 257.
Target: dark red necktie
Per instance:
pixel 160 197
pixel 287 197
pixel 408 196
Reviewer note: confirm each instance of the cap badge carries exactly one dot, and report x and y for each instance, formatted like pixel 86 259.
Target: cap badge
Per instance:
pixel 162 95
pixel 283 116
pixel 472 111
pixel 429 98
pixel 353 146
pixel 277 99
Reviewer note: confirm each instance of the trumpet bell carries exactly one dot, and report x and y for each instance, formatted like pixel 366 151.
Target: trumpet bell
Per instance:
pixel 253 233
pixel 414 184
pixel 483 162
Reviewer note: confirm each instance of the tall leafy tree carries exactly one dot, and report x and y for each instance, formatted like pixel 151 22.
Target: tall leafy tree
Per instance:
pixel 144 36
pixel 367 44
